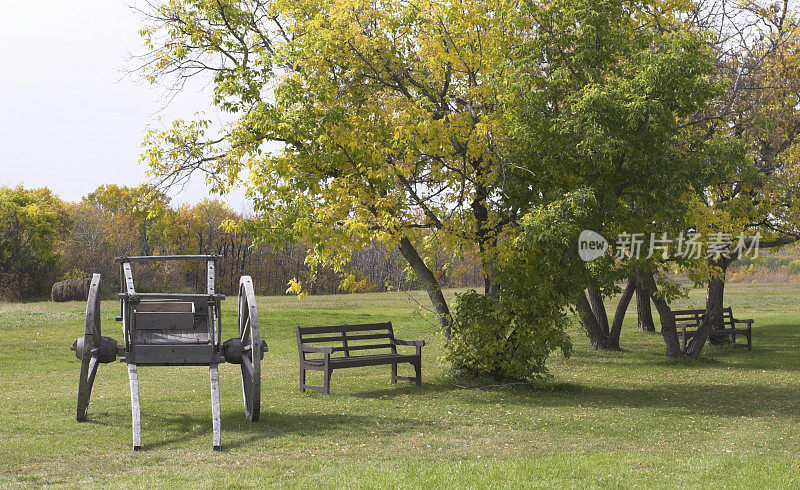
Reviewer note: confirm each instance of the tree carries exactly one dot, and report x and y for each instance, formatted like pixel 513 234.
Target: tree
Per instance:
pixel 605 95
pixel 756 48
pixel 138 214
pixel 387 115
pixel 31 221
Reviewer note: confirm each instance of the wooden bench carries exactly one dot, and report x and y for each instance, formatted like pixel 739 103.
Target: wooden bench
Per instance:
pixel 687 322
pixel 377 339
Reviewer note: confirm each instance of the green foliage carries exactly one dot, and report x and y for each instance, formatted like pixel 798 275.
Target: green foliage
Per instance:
pixel 74 273
pixel 609 109
pixel 512 334
pixel 31 221
pixel 358 282
pixel 794 267
pixel 387 116
pixel 505 337
pixel 604 99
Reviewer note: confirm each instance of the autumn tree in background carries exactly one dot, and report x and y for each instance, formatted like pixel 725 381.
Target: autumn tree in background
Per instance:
pixel 114 221
pixel 31 224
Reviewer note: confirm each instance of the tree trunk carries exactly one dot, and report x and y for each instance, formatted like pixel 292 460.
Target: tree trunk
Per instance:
pixel 712 318
pixel 643 312
pixel 619 314
pixel 426 276
pixel 598 339
pixel 598 308
pixel 486 238
pixel 595 320
pixel 668 329
pixel 715 296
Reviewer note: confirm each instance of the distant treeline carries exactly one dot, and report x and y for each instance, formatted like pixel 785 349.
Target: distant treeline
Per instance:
pixel 44 239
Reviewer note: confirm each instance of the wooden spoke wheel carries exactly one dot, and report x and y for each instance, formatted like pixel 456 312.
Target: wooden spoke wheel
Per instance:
pixel 88 348
pixel 252 349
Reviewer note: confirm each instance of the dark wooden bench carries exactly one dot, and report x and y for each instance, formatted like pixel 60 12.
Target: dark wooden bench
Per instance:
pixel 687 322
pixel 375 343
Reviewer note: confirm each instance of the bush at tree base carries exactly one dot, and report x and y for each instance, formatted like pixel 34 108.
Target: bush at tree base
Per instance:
pixel 502 338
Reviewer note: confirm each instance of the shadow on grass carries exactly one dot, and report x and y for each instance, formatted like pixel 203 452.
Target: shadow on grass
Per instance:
pixel 739 400
pixel 275 424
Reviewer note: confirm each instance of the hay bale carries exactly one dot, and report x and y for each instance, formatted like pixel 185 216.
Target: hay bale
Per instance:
pixel 71 290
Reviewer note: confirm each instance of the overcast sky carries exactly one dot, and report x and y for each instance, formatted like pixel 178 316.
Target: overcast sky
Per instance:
pixel 69 119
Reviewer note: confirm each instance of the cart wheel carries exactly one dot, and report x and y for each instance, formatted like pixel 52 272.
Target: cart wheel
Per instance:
pixel 251 349
pixel 90 349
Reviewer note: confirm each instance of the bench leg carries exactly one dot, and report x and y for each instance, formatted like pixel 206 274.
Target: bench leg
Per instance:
pixel 326 384
pixel 302 379
pixel 418 372
pixel 215 411
pixel 136 419
pixel 749 342
pixel 394 373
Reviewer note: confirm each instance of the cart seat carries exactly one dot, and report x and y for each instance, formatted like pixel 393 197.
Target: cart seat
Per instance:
pixel 168 322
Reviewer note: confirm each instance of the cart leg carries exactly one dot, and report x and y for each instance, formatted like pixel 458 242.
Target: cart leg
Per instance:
pixel 133 376
pixel 215 412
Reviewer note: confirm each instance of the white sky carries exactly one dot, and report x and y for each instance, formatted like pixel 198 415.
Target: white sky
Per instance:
pixel 69 120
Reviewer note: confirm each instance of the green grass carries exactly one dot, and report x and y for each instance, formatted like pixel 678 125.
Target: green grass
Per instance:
pixel 605 419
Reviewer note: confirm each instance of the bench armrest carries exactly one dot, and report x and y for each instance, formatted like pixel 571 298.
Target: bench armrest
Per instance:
pixel 748 321
pixel 319 350
pixel 413 343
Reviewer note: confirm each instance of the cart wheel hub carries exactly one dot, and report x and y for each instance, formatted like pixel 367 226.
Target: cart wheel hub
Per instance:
pixel 233 351
pixel 106 352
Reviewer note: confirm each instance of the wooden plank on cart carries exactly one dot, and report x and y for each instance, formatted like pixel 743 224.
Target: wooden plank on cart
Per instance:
pixel 174 355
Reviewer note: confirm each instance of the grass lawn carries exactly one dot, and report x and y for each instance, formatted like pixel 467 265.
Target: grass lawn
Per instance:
pixel 605 419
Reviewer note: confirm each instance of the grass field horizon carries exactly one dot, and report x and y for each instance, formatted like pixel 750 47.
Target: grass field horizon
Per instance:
pixel 627 418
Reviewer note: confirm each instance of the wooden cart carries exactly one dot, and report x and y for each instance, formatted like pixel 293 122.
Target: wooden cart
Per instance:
pixel 172 329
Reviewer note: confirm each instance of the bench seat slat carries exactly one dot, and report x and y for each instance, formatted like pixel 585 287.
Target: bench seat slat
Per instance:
pixel 367 360
pixel 339 338
pixel 361 347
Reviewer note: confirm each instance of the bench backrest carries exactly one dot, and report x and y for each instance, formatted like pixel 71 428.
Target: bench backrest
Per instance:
pixel 347 340
pixel 693 317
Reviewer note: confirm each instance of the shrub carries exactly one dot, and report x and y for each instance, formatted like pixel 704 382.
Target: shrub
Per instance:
pixel 511 334
pixel 489 336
